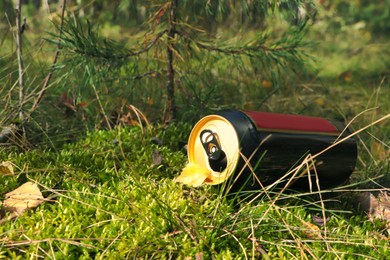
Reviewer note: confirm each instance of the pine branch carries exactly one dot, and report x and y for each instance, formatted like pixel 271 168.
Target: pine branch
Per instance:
pixel 89 44
pixel 84 48
pixel 287 48
pixel 250 51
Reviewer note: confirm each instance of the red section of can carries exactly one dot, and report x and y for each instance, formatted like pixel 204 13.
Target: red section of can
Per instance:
pixel 251 150
pixel 272 144
pixel 291 123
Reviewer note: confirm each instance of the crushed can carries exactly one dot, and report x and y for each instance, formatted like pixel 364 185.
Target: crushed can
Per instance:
pixel 250 150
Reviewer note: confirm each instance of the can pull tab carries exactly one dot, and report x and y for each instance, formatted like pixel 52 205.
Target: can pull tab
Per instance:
pixel 217 157
pixel 211 145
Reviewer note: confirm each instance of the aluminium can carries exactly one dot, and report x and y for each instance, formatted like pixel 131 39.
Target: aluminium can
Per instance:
pixel 253 149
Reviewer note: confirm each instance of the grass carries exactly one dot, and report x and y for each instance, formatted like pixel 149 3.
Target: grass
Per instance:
pixel 108 197
pixel 113 201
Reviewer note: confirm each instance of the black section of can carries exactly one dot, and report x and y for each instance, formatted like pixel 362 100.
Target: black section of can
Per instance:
pixel 273 154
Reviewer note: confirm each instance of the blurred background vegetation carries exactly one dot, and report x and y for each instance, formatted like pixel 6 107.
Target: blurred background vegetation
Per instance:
pixel 120 59
pixel 325 58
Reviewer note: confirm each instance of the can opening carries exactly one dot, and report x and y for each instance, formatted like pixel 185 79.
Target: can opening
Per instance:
pixel 220 164
pixel 216 156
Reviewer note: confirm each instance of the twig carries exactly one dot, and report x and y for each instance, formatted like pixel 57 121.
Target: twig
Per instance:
pixel 19 53
pixel 48 77
pixel 150 45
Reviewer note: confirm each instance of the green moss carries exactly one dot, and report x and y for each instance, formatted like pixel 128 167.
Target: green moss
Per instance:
pixel 113 201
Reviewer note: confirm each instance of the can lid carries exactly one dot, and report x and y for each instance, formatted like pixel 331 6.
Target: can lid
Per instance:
pixel 214 144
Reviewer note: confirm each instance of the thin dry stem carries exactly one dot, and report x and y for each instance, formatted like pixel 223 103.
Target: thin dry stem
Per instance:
pixel 294 172
pixel 273 201
pixel 71 241
pixel 81 202
pixel 228 232
pixel 112 242
pixel 353 119
pixel 101 107
pixel 49 76
pixel 353 134
pixel 171 106
pixel 19 54
pixel 140 117
pixel 297 168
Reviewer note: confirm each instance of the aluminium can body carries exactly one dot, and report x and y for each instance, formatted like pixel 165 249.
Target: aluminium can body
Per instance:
pixel 253 149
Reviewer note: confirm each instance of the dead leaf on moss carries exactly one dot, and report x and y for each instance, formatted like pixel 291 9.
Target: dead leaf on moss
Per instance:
pixel 266 83
pixel 319 220
pixel 376 207
pixel 320 101
pixel 6 168
pixel 379 150
pixel 23 198
pixel 157 157
pixel 311 230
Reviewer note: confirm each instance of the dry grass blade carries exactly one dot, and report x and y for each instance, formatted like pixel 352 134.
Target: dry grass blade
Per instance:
pixel 57 193
pixel 308 164
pixel 19 53
pixel 353 134
pixel 230 233
pixel 101 107
pixel 352 120
pixel 141 118
pixel 49 76
pixel 307 160
pixel 112 242
pixel 74 241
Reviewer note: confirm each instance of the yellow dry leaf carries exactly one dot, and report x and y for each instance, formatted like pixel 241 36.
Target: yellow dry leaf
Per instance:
pixel 150 101
pixel 347 76
pixel 379 151
pixel 320 101
pixel 23 198
pixel 6 168
pixel 193 175
pixel 311 230
pixel 249 106
pixel 266 83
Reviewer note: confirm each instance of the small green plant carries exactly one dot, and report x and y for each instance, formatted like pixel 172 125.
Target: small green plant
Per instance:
pixel 175 46
pixel 110 193
pixel 110 199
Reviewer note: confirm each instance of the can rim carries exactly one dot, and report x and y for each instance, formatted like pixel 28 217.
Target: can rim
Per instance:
pixel 232 151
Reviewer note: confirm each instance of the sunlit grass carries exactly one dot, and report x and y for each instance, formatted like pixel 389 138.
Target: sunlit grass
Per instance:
pixel 109 198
